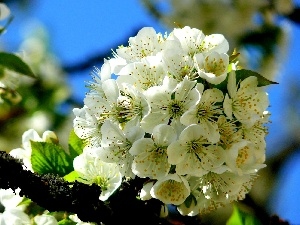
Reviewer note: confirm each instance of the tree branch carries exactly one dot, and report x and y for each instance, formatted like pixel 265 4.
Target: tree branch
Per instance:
pixel 53 193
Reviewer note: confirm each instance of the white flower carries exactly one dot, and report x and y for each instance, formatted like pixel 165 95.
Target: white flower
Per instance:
pixel 256 135
pixel 10 199
pixel 45 220
pixel 150 154
pixel 99 76
pixel 206 113
pixel 217 187
pixel 214 43
pixel 145 191
pixel 213 190
pixel 75 218
pixel 116 144
pixel 229 131
pixel 213 67
pixel 179 65
pixel 15 217
pixel 24 153
pixel 193 155
pixel 246 102
pixel 93 170
pixel 241 158
pixel 13 212
pixel 87 127
pixel 172 189
pixel 114 65
pixel 191 39
pixel 147 73
pixel 168 103
pixel 101 99
pixel 145 43
pixel 121 104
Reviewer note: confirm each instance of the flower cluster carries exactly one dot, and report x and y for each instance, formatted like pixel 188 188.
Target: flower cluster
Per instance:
pixel 179 113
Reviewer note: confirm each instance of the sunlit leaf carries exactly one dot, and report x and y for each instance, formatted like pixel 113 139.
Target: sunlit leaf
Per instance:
pixel 71 177
pixel 66 222
pixel 238 217
pixel 76 145
pixel 25 201
pixel 50 158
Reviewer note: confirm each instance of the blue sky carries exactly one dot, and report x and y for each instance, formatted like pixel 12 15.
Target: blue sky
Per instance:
pixel 82 29
pixel 286 197
pixel 79 29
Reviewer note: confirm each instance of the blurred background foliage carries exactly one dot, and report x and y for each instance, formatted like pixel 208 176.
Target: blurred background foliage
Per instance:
pixel 258 29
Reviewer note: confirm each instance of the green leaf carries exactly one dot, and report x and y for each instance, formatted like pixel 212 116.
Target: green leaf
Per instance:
pixel 243 74
pixel 76 145
pixel 189 200
pixel 71 177
pixel 50 158
pixel 66 222
pixel 239 217
pixel 25 201
pixel 16 64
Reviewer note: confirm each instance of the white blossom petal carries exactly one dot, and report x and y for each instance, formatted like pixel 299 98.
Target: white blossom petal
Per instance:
pixel 173 189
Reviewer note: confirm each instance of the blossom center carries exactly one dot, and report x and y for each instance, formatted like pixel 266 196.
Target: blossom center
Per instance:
pixel 126 109
pixel 185 71
pixel 208 112
pixel 195 147
pixel 103 182
pixel 215 66
pixel 176 109
pixel 242 156
pixel 160 150
pixel 172 190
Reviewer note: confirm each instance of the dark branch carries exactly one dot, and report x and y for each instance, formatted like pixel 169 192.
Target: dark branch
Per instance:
pixel 88 63
pixel 294 16
pixel 151 6
pixel 53 193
